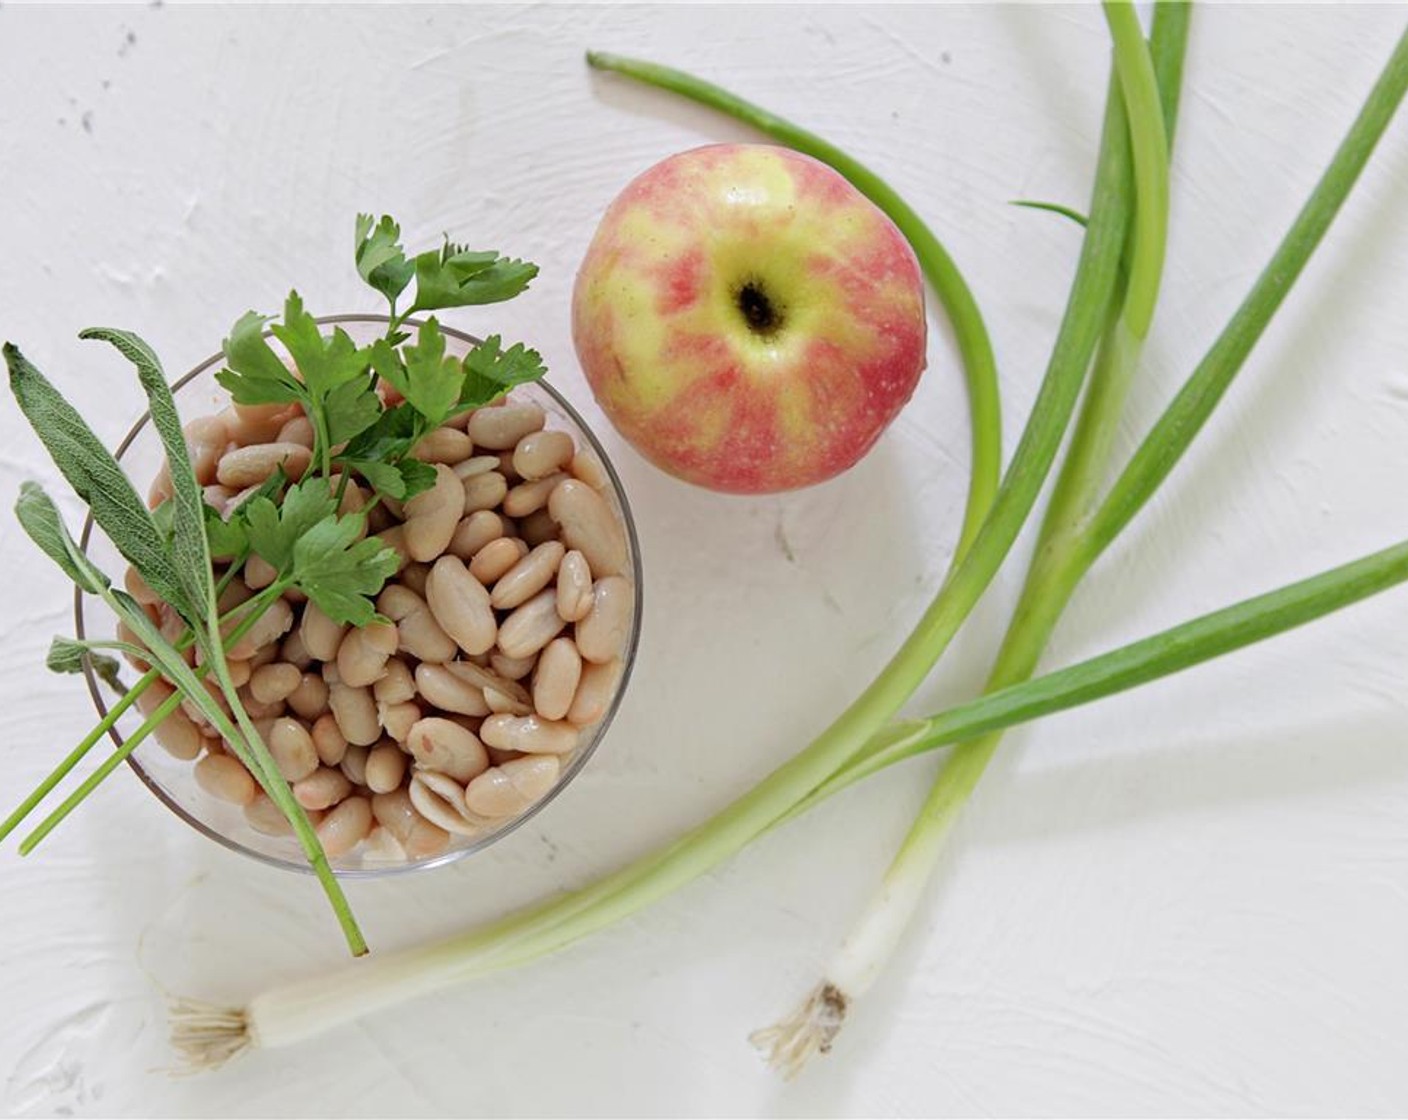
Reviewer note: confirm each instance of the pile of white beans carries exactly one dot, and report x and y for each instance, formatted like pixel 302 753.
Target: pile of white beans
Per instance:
pixel 508 621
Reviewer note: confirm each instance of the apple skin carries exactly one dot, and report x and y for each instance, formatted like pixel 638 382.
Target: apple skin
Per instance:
pixel 748 320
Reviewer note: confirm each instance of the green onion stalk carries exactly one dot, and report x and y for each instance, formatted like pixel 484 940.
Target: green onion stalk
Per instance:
pixel 865 738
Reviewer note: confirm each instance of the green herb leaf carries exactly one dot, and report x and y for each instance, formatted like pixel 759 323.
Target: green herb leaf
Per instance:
pixel 66 655
pixel 392 436
pixel 189 549
pixel 256 375
pixel 39 517
pixel 1054 208
pixel 380 259
pixel 350 409
pixel 275 530
pixel 491 371
pixel 417 477
pixel 324 361
pixel 456 277
pixel 96 477
pixel 341 573
pixel 429 381
pixel 385 479
pixel 228 539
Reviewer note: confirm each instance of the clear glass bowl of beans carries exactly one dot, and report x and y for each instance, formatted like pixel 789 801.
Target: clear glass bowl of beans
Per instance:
pixel 513 626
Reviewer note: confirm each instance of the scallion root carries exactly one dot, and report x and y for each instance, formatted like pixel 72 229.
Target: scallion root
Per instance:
pixel 808 1031
pixel 207 1035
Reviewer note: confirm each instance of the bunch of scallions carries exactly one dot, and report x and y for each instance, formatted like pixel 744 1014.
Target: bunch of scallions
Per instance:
pixel 1093 361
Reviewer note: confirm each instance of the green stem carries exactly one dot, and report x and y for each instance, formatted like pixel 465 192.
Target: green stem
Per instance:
pixel 524 936
pixel 93 780
pixel 1180 423
pixel 733 827
pixel 970 332
pixel 75 756
pixel 129 743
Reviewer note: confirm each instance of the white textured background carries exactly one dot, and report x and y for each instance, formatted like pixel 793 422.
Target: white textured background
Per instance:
pixel 1190 900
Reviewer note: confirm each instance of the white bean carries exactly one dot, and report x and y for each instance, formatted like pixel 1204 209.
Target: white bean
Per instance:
pixel 385 768
pixel 530 734
pixel 322 789
pixel 431 517
pixel 530 497
pixel 328 739
pixel 321 635
pixel 256 423
pixel 418 632
pixel 507 790
pixel 292 749
pixel 226 778
pixel 345 827
pixel 394 538
pixel 206 439
pixel 479 464
pixel 496 559
pixel 274 682
pixel 179 735
pixel 273 624
pixel 440 800
pixel 537 528
pixel 416 835
pixel 501 427
pixel 398 719
pixel 443 445
pixel 594 693
pixel 449 691
pixel 526 578
pixel 354 764
pixel 556 677
pixel 574 587
pixel 309 698
pixel 587 467
pixel 250 466
pixel 298 430
pixel 362 655
pixel 266 817
pixel 396 685
pixel 414 576
pixel 531 626
pixel 355 712
pixel 506 702
pixel 601 636
pixel 440 744
pixel 540 454
pixel 474 532
pixel 589 526
pixel 512 668
pixel 460 605
pixel 483 491
pixel 258 572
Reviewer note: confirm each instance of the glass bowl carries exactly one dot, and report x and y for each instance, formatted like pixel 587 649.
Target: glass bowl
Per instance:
pixel 173 781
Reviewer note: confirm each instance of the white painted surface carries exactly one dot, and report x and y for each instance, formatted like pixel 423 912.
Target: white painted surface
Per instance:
pixel 1190 900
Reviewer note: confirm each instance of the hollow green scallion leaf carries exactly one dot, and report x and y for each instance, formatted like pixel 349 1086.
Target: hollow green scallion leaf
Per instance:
pixel 96 477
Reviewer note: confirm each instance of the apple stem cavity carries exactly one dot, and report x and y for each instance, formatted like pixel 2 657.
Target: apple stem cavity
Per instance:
pixel 760 311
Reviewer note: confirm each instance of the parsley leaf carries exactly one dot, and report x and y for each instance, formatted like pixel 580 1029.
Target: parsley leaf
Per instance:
pixel 490 371
pixel 254 373
pixel 422 374
pixel 380 259
pixel 339 572
pixel 457 277
pixel 274 531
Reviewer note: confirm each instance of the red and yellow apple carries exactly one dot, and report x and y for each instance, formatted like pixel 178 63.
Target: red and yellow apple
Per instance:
pixel 748 320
